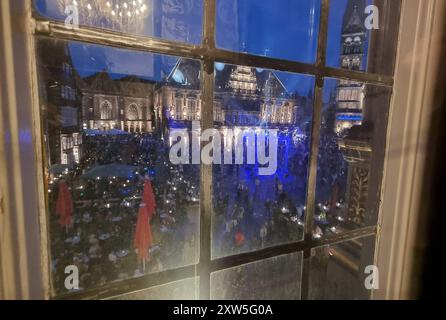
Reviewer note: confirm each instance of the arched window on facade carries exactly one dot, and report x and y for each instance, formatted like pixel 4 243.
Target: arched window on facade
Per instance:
pixel 106 110
pixel 132 112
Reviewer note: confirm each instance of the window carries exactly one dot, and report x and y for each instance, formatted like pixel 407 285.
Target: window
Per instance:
pixel 244 20
pixel 105 110
pixel 64 158
pixel 362 43
pixel 191 106
pixel 76 155
pixel 132 16
pixel 179 108
pixel 64 143
pixel 318 91
pixel 132 112
pixel 254 281
pixel 108 184
pixel 252 211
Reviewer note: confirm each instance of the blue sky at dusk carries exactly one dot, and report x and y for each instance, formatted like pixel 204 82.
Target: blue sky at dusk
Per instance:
pixel 285 29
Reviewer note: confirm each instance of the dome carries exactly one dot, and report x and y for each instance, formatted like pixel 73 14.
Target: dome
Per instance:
pixel 178 76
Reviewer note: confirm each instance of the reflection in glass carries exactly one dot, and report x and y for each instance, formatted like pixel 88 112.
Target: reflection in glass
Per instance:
pixel 178 290
pixel 278 278
pixel 117 207
pixel 351 153
pixel 176 20
pixel 281 29
pixel 361 33
pixel 260 203
pixel 338 271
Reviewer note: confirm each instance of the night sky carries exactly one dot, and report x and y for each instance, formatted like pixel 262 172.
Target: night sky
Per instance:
pixel 285 29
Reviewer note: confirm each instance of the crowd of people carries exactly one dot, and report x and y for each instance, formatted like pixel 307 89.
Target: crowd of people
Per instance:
pixel 99 239
pixel 249 211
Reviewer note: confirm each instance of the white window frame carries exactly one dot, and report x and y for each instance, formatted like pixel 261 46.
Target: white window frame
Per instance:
pixel 415 98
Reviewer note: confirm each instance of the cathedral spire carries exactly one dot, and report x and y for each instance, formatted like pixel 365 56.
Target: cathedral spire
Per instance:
pixel 349 97
pixel 354 17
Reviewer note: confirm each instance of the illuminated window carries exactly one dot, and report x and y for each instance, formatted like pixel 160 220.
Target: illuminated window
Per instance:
pixel 106 110
pixel 317 202
pixel 191 106
pixel 132 112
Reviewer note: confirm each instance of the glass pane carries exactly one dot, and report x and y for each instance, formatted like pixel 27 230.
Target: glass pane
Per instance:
pixel 363 35
pixel 263 124
pixel 338 272
pixel 284 29
pixel 278 278
pixel 351 155
pixel 176 20
pixel 178 290
pixel 117 207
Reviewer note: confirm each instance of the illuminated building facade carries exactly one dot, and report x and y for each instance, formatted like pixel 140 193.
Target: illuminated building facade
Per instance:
pixel 125 104
pixel 63 107
pixel 352 125
pixel 350 94
pixel 244 96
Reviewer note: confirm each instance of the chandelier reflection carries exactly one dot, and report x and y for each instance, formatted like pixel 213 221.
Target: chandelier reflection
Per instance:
pixel 118 15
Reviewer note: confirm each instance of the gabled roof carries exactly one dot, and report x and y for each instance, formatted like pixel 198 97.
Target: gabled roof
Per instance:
pixel 101 82
pixel 186 74
pixel 268 79
pixel 268 84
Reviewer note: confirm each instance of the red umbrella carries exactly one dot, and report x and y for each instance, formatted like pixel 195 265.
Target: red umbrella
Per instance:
pixel 143 234
pixel 64 205
pixel 239 238
pixel 148 198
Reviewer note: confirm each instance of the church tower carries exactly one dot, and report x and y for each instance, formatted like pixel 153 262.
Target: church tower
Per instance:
pixel 350 94
pixel 350 125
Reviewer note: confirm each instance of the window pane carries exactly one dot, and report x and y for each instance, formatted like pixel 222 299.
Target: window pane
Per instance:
pixel 284 29
pixel 178 290
pixel 178 20
pixel 363 35
pixel 338 271
pixel 259 200
pixel 351 155
pixel 278 278
pixel 118 208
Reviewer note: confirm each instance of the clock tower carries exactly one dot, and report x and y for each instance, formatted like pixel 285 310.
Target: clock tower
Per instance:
pixel 350 94
pixel 351 126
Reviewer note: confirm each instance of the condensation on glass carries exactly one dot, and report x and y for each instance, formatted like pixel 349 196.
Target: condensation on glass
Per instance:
pixel 363 35
pixel 106 118
pixel 281 29
pixel 179 290
pixel 341 272
pixel 178 20
pixel 351 156
pixel 259 203
pixel 107 115
pixel 277 278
